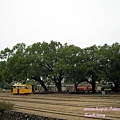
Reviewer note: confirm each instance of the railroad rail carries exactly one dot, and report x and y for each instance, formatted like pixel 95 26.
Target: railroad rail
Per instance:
pixel 44 101
pixel 66 102
pixel 80 115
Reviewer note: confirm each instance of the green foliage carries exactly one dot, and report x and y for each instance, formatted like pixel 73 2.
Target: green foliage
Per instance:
pixel 7 86
pixel 6 105
pixel 55 62
pixel 32 82
pixel 2 84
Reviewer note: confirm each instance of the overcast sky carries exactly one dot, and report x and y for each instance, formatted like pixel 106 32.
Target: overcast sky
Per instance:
pixel 79 22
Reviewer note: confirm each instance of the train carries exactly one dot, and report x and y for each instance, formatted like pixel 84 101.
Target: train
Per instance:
pixel 29 88
pixel 22 89
pixel 84 88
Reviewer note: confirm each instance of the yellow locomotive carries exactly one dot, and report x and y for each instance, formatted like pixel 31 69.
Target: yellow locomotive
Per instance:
pixel 22 89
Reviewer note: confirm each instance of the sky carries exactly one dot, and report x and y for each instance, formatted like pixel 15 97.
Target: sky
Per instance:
pixel 82 23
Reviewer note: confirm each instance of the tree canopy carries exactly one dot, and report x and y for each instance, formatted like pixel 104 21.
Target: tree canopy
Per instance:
pixel 53 62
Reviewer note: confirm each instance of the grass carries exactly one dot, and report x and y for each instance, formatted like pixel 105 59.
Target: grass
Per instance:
pixel 5 105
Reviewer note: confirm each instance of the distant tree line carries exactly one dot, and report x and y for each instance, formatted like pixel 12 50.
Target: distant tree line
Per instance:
pixel 52 62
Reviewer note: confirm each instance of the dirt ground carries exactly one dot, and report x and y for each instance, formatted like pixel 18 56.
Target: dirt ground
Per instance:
pixel 75 106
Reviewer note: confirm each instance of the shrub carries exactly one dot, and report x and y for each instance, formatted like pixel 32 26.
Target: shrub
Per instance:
pixel 4 105
pixel 7 86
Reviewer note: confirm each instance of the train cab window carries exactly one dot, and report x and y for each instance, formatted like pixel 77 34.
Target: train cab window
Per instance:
pixel 22 87
pixel 18 87
pixel 26 87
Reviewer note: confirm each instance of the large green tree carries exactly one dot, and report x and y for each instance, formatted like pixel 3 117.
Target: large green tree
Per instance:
pixel 115 65
pixel 52 62
pixel 47 62
pixel 4 68
pixel 74 62
pixel 15 63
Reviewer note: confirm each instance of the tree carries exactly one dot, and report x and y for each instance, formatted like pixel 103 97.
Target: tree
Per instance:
pixel 52 62
pixel 4 57
pixel 115 65
pixel 15 68
pixel 109 63
pixel 91 65
pixel 75 73
pixel 46 61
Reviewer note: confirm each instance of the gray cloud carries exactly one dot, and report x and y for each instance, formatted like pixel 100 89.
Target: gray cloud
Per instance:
pixel 79 22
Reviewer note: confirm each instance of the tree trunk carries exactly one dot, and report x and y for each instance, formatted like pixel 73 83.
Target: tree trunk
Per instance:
pixel 37 78
pixel 76 87
pixel 116 86
pixel 58 85
pixel 93 85
pixel 92 73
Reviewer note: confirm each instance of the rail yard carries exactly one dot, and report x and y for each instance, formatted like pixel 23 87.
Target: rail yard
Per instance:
pixel 67 106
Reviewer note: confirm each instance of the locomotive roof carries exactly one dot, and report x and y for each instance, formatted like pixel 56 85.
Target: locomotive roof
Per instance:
pixel 21 84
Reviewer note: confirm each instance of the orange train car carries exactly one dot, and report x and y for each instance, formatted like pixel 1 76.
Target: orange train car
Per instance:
pixel 22 89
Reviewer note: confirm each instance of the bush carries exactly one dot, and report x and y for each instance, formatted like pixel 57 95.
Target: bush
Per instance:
pixel 7 86
pixel 5 105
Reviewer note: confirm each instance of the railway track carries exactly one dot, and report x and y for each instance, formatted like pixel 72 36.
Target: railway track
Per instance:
pixel 66 98
pixel 53 102
pixel 80 116
pixel 64 107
